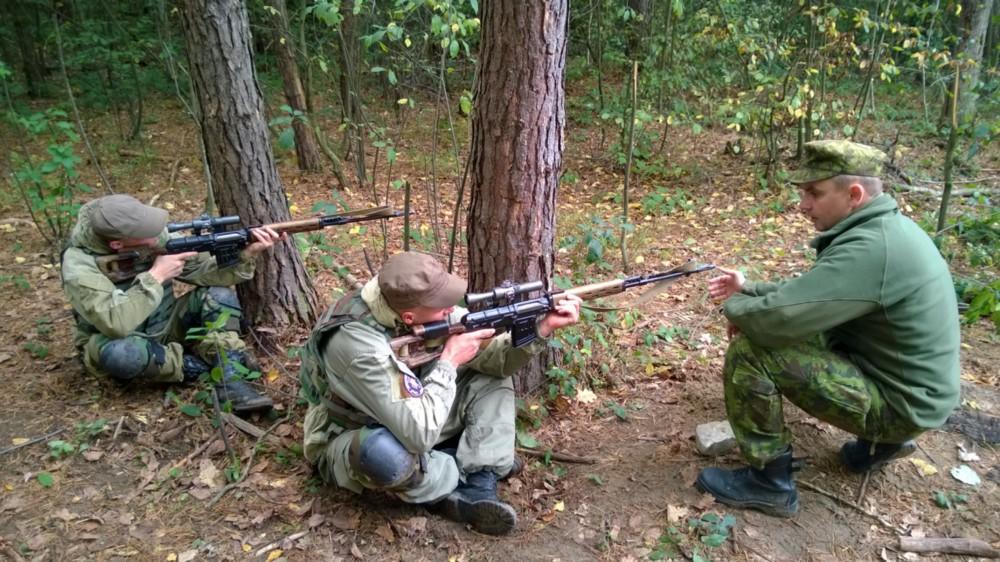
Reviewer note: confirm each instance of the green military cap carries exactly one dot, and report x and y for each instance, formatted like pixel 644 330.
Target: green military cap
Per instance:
pixel 123 217
pixel 828 158
pixel 413 279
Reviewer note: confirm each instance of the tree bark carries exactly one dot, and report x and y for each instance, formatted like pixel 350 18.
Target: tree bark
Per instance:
pixel 25 32
pixel 306 149
pixel 240 161
pixel 972 52
pixel 516 151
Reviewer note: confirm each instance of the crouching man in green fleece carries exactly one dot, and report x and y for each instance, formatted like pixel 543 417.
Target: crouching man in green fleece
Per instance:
pixel 866 340
pixel 373 422
pixel 134 330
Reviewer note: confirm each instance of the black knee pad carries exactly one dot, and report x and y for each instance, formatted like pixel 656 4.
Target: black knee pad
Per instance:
pixel 128 358
pixel 379 457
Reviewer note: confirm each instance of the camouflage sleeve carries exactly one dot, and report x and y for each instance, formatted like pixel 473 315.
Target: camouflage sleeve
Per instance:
pixel 114 312
pixel 839 288
pixel 202 270
pixel 363 371
pixel 501 359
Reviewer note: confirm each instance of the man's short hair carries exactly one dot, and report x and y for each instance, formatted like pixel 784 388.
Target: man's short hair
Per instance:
pixel 872 186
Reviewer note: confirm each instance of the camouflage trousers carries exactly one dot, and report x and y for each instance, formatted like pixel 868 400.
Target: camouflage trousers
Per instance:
pixel 155 349
pixel 482 417
pixel 815 378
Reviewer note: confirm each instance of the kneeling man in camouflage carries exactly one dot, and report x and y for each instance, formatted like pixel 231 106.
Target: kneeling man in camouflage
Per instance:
pixel 373 422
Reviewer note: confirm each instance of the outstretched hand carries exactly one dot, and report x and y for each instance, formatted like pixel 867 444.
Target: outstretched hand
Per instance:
pixel 726 285
pixel 264 239
pixel 566 313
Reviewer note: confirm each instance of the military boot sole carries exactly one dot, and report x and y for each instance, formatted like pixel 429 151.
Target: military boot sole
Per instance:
pixel 781 505
pixel 905 449
pixel 491 517
pixel 244 399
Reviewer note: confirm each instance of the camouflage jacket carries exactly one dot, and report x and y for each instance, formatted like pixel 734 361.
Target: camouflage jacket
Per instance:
pixel 349 370
pixel 117 310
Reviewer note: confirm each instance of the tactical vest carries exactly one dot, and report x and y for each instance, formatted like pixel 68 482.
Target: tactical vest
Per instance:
pixel 314 385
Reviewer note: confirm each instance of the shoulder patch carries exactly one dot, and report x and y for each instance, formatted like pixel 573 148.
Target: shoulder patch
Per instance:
pixel 411 387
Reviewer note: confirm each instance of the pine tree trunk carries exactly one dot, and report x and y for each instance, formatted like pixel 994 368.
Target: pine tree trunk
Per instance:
pixel 241 164
pixel 306 149
pixel 517 142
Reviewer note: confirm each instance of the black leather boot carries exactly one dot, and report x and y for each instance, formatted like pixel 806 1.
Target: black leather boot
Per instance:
pixel 860 456
pixel 234 389
pixel 193 367
pixel 771 490
pixel 475 502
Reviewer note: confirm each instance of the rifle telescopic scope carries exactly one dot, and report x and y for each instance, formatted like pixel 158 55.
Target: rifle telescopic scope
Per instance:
pixel 204 222
pixel 505 293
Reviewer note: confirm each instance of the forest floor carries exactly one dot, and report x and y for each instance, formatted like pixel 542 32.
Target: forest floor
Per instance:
pixel 151 485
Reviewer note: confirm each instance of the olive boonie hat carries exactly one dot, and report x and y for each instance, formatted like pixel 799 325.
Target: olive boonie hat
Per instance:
pixel 121 217
pixel 412 279
pixel 828 158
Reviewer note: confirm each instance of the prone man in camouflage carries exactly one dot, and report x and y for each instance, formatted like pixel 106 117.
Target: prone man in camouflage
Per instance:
pixel 373 423
pixel 866 340
pixel 134 331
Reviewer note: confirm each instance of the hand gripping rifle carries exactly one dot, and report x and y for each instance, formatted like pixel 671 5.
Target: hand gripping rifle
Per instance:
pixel 510 310
pixel 212 235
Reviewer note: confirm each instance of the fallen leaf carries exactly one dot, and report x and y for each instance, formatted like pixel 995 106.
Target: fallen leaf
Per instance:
pixel 187 556
pixel 705 501
pixel 18 440
pixel 93 455
pixel 385 532
pixel 925 468
pixel 585 396
pixel 272 375
pixel 415 525
pixel 356 551
pixel 316 520
pixel 559 506
pixel 346 519
pixel 208 475
pixel 676 513
pixel 274 555
pixel 966 475
pixel 64 514
pixel 967 456
pixel 200 493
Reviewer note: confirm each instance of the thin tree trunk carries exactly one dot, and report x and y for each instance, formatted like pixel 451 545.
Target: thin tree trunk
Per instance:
pixel 517 142
pixel 306 149
pixel 972 53
pixel 217 35
pixel 949 154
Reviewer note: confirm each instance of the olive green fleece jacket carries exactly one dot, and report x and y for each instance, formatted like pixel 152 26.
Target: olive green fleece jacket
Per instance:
pixel 117 310
pixel 880 293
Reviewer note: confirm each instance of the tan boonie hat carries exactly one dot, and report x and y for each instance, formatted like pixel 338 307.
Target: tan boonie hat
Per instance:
pixel 828 158
pixel 412 279
pixel 123 217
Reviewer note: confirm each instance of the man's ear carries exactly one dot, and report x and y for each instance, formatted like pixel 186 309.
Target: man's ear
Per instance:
pixel 115 244
pixel 858 194
pixel 407 317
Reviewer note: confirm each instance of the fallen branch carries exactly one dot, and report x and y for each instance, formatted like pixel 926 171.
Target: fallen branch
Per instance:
pixel 137 154
pixel 561 457
pixel 290 538
pixel 252 430
pixel 31 441
pixel 253 453
pixel 937 193
pixel 345 274
pixel 974 547
pixel 810 486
